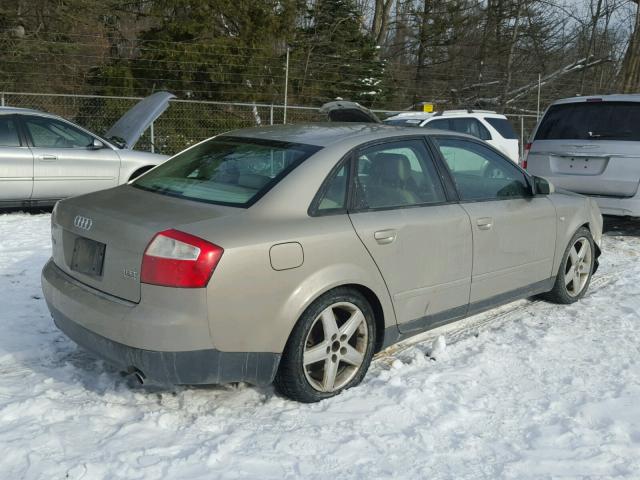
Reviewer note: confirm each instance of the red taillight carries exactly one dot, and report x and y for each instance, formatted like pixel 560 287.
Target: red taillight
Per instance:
pixel 527 147
pixel 178 259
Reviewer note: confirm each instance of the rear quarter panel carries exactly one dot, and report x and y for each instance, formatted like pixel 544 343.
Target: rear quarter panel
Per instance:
pixel 251 306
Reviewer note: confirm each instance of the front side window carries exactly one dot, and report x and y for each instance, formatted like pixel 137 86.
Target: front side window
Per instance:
pixel 50 133
pixel 8 133
pixel 480 173
pixel 231 171
pixel 396 174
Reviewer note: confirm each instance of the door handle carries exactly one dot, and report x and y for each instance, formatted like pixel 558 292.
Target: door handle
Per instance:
pixel 48 158
pixel 484 223
pixel 384 237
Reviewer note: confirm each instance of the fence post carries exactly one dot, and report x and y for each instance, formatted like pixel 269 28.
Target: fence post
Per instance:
pixel 539 88
pixel 271 115
pixel 153 138
pixel 2 99
pixel 286 86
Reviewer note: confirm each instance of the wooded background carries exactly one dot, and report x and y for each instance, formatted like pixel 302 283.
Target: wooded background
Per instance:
pixel 382 53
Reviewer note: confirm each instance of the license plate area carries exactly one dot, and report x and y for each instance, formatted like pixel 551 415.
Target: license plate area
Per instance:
pixel 579 165
pixel 88 257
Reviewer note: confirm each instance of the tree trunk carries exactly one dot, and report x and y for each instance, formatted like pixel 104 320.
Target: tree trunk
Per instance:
pixel 512 50
pixel 380 20
pixel 595 17
pixel 423 38
pixel 631 66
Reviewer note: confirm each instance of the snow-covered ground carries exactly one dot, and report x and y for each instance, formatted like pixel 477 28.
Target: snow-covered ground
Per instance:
pixel 530 390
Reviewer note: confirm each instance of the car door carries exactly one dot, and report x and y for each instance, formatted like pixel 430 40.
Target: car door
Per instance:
pixel 514 232
pixel 16 162
pixel 65 161
pixel 420 241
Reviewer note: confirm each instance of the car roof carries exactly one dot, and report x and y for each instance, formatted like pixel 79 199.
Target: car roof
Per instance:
pixel 629 97
pixel 13 110
pixel 329 133
pixel 446 113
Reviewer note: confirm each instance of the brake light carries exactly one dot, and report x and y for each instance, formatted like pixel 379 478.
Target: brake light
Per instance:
pixel 525 157
pixel 177 259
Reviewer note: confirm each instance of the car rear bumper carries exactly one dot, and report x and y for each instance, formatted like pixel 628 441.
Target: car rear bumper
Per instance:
pixel 74 309
pixel 618 206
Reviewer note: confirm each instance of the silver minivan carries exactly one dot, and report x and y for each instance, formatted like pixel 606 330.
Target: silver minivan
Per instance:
pixel 591 145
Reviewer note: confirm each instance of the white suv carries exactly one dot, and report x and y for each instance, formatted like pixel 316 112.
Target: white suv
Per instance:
pixel 489 126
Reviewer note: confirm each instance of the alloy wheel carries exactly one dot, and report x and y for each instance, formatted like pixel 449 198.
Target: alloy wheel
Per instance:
pixel 578 266
pixel 335 347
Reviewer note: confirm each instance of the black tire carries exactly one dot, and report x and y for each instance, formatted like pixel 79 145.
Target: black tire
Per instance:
pixel 292 377
pixel 560 292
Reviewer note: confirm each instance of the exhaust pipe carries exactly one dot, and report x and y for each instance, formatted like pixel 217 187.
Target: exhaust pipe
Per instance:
pixel 136 373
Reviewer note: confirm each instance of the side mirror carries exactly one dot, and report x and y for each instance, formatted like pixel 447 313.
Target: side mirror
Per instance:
pixel 96 145
pixel 542 186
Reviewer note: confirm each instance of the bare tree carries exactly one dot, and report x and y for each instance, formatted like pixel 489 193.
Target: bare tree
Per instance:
pixel 630 74
pixel 380 20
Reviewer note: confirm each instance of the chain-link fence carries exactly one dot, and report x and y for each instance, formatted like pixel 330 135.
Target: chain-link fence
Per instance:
pixel 185 122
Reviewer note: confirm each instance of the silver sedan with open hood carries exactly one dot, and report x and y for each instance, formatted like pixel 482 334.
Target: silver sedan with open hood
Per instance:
pixel 44 158
pixel 292 254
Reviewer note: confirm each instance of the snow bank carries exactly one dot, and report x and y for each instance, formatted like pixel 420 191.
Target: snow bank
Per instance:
pixel 530 390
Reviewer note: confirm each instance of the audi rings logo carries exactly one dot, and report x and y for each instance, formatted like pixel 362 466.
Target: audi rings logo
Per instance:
pixel 82 222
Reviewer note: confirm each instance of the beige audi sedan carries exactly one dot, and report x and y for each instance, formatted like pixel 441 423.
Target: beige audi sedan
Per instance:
pixel 292 254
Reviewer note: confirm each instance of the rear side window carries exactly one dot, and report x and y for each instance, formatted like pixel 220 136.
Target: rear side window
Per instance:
pixel 334 196
pixel 8 133
pixel 503 126
pixel 591 121
pixel 396 174
pixel 226 170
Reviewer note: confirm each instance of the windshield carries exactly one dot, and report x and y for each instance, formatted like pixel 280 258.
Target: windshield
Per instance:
pixel 591 121
pixel 226 170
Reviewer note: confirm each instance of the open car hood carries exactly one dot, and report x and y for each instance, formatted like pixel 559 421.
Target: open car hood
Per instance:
pixel 130 127
pixel 341 111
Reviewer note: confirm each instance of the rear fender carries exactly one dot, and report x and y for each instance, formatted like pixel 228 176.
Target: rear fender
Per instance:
pixel 327 279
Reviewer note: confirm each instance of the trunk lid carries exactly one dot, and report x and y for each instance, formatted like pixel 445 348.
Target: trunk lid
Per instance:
pixel 99 239
pixel 130 127
pixel 597 167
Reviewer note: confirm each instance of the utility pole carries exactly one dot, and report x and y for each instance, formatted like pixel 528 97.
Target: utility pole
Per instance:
pixel 539 86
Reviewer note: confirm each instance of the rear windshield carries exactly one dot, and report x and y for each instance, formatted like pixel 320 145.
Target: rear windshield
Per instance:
pixel 226 170
pixel 503 126
pixel 591 121
pixel 404 122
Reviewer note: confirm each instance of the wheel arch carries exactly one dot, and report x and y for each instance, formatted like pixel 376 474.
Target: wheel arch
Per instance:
pixel 384 316
pixel 139 171
pixel 378 311
pixel 598 251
